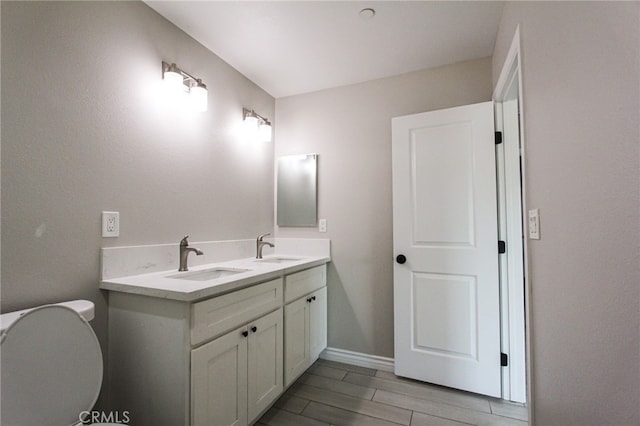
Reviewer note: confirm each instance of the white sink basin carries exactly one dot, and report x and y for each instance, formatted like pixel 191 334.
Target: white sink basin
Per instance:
pixel 278 259
pixel 207 274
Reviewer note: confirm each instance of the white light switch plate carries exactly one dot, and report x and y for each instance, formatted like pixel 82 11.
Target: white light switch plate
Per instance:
pixel 534 224
pixel 322 225
pixel 110 224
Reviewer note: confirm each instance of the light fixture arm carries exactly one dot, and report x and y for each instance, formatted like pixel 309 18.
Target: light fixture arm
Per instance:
pixel 251 113
pixel 185 75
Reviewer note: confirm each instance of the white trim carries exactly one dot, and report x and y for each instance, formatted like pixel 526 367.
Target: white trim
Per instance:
pixel 358 358
pixel 512 60
pixel 512 69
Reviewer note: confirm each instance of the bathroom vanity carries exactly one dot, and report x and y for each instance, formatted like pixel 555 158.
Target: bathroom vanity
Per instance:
pixel 216 345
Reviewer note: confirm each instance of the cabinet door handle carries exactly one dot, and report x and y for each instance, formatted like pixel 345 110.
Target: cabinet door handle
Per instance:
pixel 313 298
pixel 308 300
pixel 254 328
pixel 245 333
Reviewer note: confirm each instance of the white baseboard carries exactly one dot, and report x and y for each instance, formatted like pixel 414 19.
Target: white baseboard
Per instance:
pixel 357 358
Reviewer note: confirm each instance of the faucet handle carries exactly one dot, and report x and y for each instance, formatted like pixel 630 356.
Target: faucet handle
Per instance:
pixel 260 237
pixel 184 242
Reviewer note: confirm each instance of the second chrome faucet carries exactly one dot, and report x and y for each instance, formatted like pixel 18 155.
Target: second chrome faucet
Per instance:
pixel 260 244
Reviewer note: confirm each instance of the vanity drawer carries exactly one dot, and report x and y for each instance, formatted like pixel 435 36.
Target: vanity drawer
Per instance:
pixel 214 317
pixel 304 282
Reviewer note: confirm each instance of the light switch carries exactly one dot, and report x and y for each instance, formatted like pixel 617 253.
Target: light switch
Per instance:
pixel 534 224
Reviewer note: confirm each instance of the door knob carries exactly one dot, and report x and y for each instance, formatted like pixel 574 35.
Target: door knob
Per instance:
pixel 401 258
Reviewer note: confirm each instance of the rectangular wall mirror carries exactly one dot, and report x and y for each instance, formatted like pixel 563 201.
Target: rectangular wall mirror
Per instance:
pixel 297 190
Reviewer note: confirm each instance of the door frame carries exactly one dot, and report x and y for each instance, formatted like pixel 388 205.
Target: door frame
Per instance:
pixel 511 73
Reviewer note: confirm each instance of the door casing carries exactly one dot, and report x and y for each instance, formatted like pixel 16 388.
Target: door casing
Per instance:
pixel 515 288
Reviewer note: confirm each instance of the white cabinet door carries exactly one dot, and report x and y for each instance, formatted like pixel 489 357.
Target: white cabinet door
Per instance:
pixel 296 343
pixel 264 362
pixel 317 324
pixel 446 295
pixel 219 381
pixel 305 333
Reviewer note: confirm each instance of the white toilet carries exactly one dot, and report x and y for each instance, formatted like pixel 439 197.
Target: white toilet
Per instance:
pixel 51 365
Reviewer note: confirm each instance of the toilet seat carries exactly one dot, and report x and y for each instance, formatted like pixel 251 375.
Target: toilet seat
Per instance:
pixel 51 368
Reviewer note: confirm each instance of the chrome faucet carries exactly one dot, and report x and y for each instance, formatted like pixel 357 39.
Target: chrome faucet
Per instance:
pixel 260 244
pixel 184 253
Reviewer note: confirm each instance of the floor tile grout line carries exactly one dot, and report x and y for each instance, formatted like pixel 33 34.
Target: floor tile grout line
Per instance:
pixel 446 390
pixel 502 416
pixel 443 403
pixel 346 409
pixel 432 387
pixel 433 400
pixel 342 393
pixel 355 412
pixel 444 418
pixel 431 414
pixel 347 369
pixel 305 406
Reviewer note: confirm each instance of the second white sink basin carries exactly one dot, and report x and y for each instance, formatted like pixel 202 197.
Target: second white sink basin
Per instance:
pixel 207 274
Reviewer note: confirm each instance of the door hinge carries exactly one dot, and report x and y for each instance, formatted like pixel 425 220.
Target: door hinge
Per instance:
pixel 502 247
pixel 498 138
pixel 504 359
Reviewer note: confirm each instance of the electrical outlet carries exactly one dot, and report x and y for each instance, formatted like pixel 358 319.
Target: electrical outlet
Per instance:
pixel 110 224
pixel 322 225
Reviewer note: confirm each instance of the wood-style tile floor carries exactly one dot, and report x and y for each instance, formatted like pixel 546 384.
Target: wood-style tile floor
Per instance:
pixel 331 393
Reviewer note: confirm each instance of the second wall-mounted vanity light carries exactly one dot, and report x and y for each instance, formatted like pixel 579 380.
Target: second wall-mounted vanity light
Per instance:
pixel 256 126
pixel 178 81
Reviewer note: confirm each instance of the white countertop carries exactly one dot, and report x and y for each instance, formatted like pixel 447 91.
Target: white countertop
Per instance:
pixel 160 284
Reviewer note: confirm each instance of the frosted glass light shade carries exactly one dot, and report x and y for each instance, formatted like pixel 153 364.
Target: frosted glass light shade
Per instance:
pixel 251 124
pixel 198 98
pixel 173 82
pixel 265 132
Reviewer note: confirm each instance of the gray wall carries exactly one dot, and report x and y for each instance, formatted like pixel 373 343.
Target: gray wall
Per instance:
pixel 581 83
pixel 350 128
pixel 85 129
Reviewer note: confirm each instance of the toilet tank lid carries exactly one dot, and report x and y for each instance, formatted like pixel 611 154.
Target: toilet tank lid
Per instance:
pixel 85 308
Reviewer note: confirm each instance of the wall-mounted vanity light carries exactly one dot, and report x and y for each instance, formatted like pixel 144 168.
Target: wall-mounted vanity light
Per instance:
pixel 256 126
pixel 178 81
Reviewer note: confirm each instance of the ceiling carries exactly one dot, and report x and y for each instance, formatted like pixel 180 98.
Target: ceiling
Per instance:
pixel 293 47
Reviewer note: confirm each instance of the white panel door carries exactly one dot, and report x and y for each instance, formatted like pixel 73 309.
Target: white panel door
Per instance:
pixel 446 294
